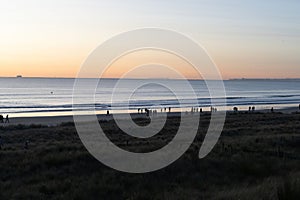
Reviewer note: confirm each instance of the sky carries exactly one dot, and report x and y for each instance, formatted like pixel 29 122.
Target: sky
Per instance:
pixel 246 39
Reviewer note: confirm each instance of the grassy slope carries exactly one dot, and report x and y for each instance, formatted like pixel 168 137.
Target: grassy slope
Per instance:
pixel 257 157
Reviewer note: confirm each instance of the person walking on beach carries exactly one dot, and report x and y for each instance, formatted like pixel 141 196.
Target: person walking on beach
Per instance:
pixel 1 119
pixel 147 112
pixel 235 109
pixel 253 108
pixel 169 109
pixel 6 119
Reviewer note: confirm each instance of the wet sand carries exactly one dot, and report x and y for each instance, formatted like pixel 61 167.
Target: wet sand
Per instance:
pixel 56 120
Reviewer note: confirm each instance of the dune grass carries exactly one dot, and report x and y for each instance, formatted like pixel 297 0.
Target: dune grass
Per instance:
pixel 257 157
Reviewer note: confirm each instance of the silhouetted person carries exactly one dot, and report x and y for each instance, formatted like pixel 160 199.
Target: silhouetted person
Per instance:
pixel 272 109
pixel 147 112
pixel 235 109
pixel 1 119
pixel 249 108
pixel 169 109
pixel 107 112
pixel 6 119
pixel 201 110
pixel 253 108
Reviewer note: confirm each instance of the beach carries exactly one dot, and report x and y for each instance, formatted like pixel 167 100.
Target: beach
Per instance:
pixel 256 157
pixel 150 100
pixel 43 97
pixel 56 120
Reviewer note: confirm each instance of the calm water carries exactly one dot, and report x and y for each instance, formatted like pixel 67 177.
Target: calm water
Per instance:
pixel 44 96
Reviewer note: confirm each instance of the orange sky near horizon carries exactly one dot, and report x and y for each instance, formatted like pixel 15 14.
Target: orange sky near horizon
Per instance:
pixel 246 39
pixel 66 62
pixel 151 64
pixel 62 65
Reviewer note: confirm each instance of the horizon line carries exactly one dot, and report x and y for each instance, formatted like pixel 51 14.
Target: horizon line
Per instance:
pixel 193 79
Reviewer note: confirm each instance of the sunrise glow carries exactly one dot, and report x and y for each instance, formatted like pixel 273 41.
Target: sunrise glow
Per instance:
pixel 249 39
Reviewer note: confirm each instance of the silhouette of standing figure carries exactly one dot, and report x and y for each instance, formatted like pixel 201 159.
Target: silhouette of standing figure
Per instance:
pixel 6 119
pixel 253 108
pixel 169 109
pixel 1 118
pixel 147 112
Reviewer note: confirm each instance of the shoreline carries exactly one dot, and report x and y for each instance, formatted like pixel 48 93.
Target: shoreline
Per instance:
pixel 57 120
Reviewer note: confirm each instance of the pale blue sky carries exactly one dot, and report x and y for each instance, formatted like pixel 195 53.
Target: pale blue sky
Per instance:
pixel 245 38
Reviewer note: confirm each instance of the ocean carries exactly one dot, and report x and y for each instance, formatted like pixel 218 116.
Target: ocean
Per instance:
pixel 53 96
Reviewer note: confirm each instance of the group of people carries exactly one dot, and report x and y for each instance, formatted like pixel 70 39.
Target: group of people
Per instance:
pixel 195 110
pixel 154 112
pixel 251 108
pixel 169 109
pixel 2 119
pixel 148 111
pixel 213 109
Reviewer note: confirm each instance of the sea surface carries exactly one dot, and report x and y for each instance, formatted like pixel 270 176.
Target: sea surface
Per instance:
pixel 53 96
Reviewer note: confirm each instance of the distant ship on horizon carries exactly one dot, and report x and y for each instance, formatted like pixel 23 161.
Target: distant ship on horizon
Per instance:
pixel 19 76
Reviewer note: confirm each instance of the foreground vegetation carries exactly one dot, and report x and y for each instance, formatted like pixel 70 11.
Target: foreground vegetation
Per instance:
pixel 257 157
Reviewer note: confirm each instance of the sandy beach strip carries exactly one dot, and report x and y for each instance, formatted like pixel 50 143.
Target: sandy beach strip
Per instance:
pixel 57 120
